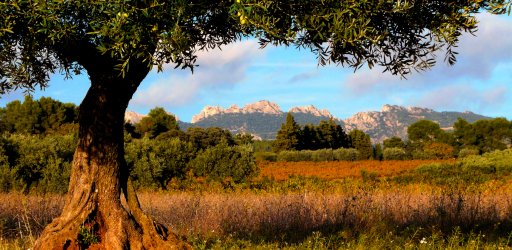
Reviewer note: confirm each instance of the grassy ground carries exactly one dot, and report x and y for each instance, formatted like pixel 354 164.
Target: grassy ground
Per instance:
pixel 374 212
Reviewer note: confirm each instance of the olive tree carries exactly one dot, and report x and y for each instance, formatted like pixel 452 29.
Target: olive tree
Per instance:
pixel 118 42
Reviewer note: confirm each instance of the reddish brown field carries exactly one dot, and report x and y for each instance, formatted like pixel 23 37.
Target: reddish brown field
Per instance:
pixel 338 170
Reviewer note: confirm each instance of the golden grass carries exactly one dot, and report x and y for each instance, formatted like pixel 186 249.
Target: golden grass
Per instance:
pixel 274 215
pixel 287 216
pixel 339 169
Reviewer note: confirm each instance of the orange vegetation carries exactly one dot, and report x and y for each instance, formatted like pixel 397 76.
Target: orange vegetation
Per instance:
pixel 339 169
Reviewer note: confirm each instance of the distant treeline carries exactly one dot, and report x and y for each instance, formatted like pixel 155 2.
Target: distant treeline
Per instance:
pixel 38 138
pixel 426 140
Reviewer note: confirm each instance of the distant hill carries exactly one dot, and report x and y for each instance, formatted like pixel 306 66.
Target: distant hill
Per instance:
pixel 393 120
pixel 263 119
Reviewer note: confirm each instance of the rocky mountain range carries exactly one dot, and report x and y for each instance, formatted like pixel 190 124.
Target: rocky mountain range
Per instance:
pixel 263 119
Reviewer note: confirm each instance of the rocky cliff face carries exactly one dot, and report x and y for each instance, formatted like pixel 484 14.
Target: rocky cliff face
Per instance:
pixel 311 110
pixel 263 107
pixel 393 120
pixel 133 117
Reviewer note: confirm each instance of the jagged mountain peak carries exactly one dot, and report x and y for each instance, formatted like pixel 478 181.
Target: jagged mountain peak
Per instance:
pixel 311 110
pixel 263 107
pixel 133 117
pixel 397 108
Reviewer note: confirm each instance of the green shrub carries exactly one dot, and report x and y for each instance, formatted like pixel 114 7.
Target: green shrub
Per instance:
pixel 341 154
pixel 468 170
pixel 223 162
pixel 497 161
pixel 422 155
pixel 265 156
pixel 346 154
pixel 43 164
pixel 322 155
pixel 294 156
pixel 394 154
pixel 154 163
pixel 467 152
pixel 7 155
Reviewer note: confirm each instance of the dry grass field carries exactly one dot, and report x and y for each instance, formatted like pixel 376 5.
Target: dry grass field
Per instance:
pixel 356 214
pixel 289 218
pixel 339 169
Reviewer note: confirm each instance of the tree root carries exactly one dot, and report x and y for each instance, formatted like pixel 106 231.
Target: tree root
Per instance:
pixel 91 225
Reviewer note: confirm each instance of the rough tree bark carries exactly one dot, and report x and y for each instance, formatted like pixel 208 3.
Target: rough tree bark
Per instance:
pixel 99 177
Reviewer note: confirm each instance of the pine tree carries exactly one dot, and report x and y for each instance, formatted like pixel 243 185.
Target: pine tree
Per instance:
pixel 288 136
pixel 362 142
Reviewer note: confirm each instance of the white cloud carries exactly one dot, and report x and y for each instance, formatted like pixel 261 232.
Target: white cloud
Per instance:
pixel 218 69
pixel 304 76
pixel 479 56
pixel 464 97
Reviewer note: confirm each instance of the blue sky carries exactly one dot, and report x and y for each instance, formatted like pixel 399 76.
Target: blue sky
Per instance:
pixel 242 73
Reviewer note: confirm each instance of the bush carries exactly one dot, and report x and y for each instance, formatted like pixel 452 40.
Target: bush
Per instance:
pixel 465 152
pixel 437 150
pixel 223 162
pixel 265 156
pixel 346 154
pixel 295 156
pixel 43 164
pixel 322 155
pixel 341 154
pixel 394 154
pixel 497 161
pixel 422 155
pixel 7 157
pixel 154 163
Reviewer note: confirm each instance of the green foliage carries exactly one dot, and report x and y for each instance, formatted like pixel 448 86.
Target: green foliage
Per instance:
pixel 394 142
pixel 223 162
pixel 394 154
pixel 439 150
pixel 485 135
pixel 377 152
pixel 265 156
pixel 472 169
pixel 362 142
pixel 244 139
pixel 295 156
pixel 262 146
pixel 340 154
pixel 204 138
pixel 329 135
pixel 158 121
pixel 346 154
pixel 6 172
pixel 87 236
pixel 43 164
pixel 288 137
pixel 420 154
pixel 385 33
pixel 41 37
pixel 499 161
pixel 465 152
pixel 154 163
pixel 424 132
pixel 36 116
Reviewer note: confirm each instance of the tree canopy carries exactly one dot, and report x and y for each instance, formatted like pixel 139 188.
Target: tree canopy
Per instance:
pixel 38 38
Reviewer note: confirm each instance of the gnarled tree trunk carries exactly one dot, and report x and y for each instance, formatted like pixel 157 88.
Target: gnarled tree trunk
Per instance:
pixel 94 216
